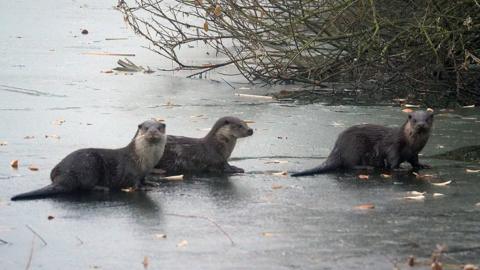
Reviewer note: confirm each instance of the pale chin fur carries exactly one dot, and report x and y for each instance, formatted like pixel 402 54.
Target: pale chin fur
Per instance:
pixel 149 154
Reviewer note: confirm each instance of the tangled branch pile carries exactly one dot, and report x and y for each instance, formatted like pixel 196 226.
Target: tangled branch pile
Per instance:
pixel 429 45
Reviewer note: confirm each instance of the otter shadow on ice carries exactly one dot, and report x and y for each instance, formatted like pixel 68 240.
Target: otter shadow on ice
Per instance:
pixel 139 203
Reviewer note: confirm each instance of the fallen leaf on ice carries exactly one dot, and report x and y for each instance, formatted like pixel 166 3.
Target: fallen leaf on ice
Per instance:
pixel 276 186
pixel 415 198
pixel 174 177
pixel 423 176
pixel 472 171
pixel 196 116
pixel 50 217
pixel 182 243
pixel 411 261
pixel 363 176
pixel 160 236
pixel 218 10
pixel 416 193
pixel 52 136
pixel 59 122
pixel 33 168
pixel 470 267
pixel 407 110
pixel 14 163
pixel 438 194
pixel 442 183
pixel 145 262
pixel 267 234
pixel 205 26
pixel 437 266
pixel 282 173
pixel 29 137
pixel 366 206
pixel 385 175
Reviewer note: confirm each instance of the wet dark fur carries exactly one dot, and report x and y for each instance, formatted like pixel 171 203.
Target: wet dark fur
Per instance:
pixel 184 155
pixel 378 146
pixel 91 168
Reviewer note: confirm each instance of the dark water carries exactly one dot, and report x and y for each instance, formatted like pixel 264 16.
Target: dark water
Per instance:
pixel 275 222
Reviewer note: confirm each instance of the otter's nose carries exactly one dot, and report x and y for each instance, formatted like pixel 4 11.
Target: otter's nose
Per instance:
pixel 250 131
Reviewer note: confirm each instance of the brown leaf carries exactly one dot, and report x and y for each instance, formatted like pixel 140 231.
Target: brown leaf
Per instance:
pixel 437 266
pixel 253 96
pixel 145 262
pixel 59 122
pixel 423 176
pixel 442 183
pixel 53 136
pixel 267 234
pixel 470 267
pixel 366 206
pixel 160 236
pixel 282 173
pixel 14 163
pixel 411 261
pixel 205 26
pixel 130 189
pixel 276 186
pixel 174 177
pixel 415 198
pixel 182 243
pixel 218 10
pixel 363 176
pixel 33 168
pixel 50 217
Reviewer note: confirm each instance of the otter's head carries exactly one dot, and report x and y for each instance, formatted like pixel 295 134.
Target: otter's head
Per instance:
pixel 151 131
pixel 231 128
pixel 420 122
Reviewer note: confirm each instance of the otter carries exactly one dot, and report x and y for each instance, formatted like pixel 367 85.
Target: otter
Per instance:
pixel 378 146
pixel 95 168
pixel 184 155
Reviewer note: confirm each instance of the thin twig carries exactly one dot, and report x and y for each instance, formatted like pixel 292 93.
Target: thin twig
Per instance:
pixel 38 235
pixel 208 219
pixel 29 262
pixel 228 83
pixel 4 242
pixel 80 240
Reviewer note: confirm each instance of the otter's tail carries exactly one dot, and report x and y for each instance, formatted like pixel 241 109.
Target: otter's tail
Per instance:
pixel 48 191
pixel 326 166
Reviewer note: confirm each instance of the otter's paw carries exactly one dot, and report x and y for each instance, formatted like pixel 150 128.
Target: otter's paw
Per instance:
pixel 423 166
pixel 233 169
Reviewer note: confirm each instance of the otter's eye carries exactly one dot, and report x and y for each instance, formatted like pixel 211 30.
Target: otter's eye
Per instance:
pixel 140 126
pixel 227 122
